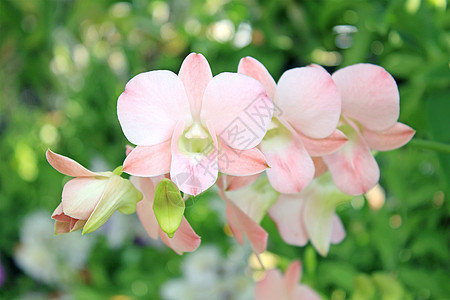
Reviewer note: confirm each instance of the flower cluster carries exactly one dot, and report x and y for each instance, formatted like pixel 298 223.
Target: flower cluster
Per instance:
pixel 312 133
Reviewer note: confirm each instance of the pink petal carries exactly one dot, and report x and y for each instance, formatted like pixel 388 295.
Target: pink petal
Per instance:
pixel 195 74
pixel 194 173
pixel 309 100
pixel 149 160
pixel 144 208
pixel 184 239
pixel 287 213
pixel 62 227
pixel 59 215
pixel 150 107
pixel 337 230
pixel 389 139
pixel 238 108
pixel 128 149
pixel 318 220
pixel 369 95
pixel 77 224
pixel 292 276
pixel 241 162
pixel 353 167
pixel 67 166
pixel 236 182
pixel 81 195
pixel 241 224
pixel 271 287
pixel 254 200
pixel 253 68
pixel 319 166
pixel 328 145
pixel 291 167
pixel 304 292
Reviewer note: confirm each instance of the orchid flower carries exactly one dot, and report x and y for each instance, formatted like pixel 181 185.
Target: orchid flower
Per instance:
pixel 309 105
pixel 245 209
pixel 276 286
pixel 370 110
pixel 91 198
pixel 194 125
pixel 184 239
pixel 310 215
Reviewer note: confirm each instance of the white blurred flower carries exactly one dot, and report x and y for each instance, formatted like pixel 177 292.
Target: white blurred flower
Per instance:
pixel 209 275
pixel 54 260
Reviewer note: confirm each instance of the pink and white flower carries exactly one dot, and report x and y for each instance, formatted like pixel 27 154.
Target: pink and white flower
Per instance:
pixel 194 125
pixel 370 110
pixel 91 198
pixel 183 240
pixel 309 105
pixel 276 286
pixel 310 215
pixel 245 209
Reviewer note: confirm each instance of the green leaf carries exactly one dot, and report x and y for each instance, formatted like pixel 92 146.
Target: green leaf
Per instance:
pixel 168 206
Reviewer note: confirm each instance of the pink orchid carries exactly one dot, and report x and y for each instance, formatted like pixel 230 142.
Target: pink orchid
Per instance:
pixel 245 208
pixel 310 215
pixel 194 125
pixel 309 106
pixel 91 198
pixel 276 286
pixel 184 239
pixel 370 110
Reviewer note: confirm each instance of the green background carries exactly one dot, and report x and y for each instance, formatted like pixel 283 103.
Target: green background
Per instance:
pixel 64 63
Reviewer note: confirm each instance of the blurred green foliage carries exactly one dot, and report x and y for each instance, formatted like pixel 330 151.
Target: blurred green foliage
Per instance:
pixel 65 62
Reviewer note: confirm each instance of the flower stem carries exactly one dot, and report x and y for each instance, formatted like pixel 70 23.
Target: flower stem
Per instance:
pixel 432 145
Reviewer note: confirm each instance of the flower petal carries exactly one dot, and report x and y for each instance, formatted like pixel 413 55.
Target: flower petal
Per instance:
pixel 292 276
pixel 353 167
pixel 337 230
pixel 303 291
pixel 81 195
pixel 253 68
pixel 150 107
pixel 62 227
pixel 291 167
pixel 59 215
pixel 241 162
pixel 328 145
pixel 319 166
pixel 287 213
pixel 144 208
pixel 389 139
pixel 77 224
pixel 149 160
pixel 321 223
pixel 119 194
pixel 309 100
pixel 271 286
pixel 241 224
pixel 369 95
pixel 238 108
pixel 254 200
pixel 233 183
pixel 184 239
pixel 195 74
pixel 68 166
pixel 193 173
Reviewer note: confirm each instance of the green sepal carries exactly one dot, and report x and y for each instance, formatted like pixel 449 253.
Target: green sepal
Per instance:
pixel 119 194
pixel 168 206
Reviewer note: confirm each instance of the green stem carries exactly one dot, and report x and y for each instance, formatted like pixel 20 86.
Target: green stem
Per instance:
pixel 118 170
pixel 432 145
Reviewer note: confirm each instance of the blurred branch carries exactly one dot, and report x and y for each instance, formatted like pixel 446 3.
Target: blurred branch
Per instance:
pixel 432 145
